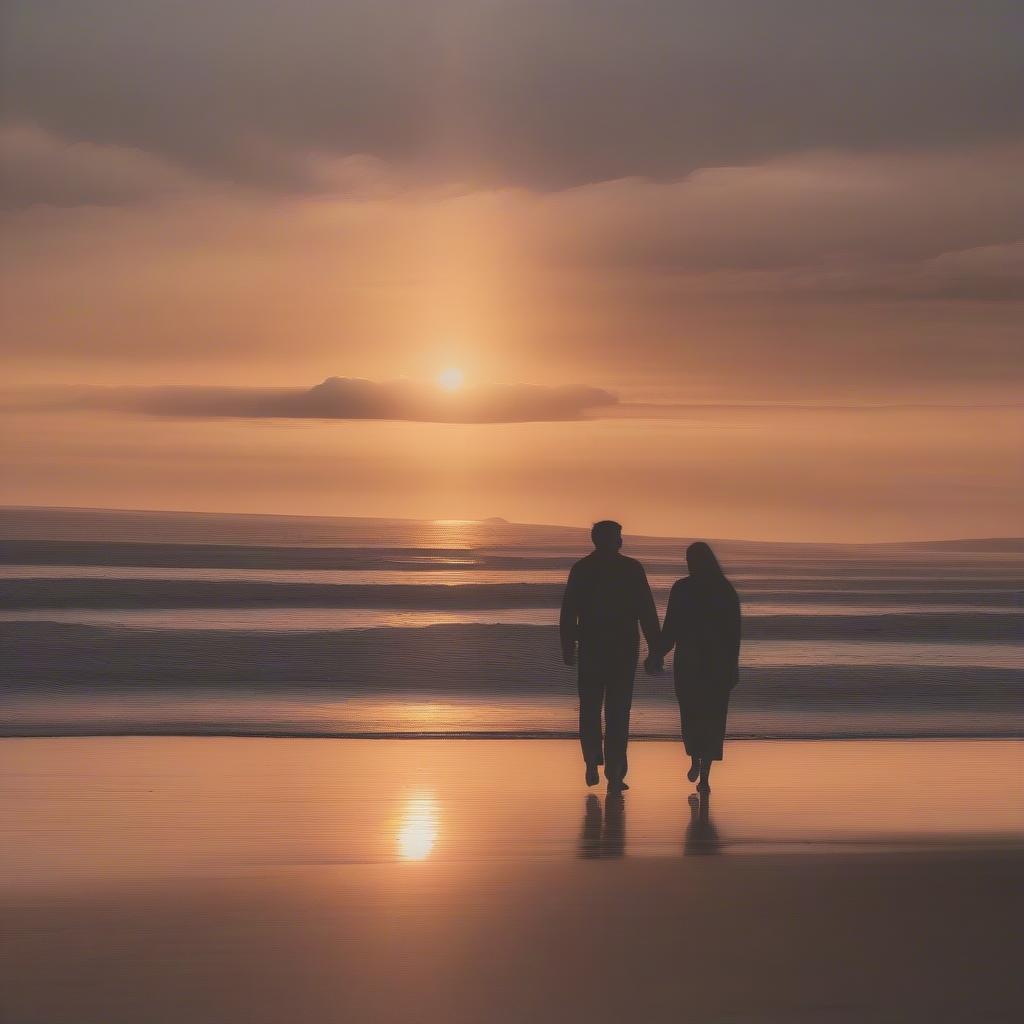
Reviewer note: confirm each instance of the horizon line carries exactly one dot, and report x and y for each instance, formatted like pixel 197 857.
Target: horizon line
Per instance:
pixel 500 520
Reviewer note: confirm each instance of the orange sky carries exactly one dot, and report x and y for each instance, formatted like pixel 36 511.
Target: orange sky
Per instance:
pixel 803 292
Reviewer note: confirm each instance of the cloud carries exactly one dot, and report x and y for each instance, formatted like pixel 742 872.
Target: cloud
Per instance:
pixel 986 273
pixel 543 94
pixel 826 210
pixel 38 167
pixel 349 398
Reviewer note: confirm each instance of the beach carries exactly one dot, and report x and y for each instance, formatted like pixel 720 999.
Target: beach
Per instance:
pixel 222 879
pixel 260 769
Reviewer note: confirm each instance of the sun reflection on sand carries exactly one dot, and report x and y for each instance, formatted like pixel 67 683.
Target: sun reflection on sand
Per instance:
pixel 418 828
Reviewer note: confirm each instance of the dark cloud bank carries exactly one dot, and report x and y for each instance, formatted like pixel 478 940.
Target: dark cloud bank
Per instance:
pixel 348 398
pixel 537 93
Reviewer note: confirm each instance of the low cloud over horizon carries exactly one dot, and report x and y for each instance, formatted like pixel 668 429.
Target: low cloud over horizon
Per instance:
pixel 350 398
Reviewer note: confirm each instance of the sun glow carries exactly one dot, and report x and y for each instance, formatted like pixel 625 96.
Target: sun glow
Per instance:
pixel 451 379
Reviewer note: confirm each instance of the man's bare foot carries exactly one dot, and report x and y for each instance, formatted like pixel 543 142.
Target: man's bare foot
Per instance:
pixel 592 777
pixel 694 771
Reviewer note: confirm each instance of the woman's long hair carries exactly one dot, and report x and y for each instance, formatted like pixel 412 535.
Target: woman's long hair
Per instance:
pixel 702 563
pixel 715 614
pixel 711 584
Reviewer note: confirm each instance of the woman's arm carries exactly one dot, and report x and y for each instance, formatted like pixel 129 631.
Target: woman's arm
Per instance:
pixel 654 665
pixel 735 638
pixel 670 628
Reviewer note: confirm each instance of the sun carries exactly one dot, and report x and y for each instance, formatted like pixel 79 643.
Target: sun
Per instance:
pixel 451 379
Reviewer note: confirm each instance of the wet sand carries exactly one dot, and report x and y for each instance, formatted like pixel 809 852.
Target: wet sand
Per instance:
pixel 221 880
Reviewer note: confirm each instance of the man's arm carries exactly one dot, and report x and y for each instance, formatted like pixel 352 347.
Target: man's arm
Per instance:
pixel 655 662
pixel 647 613
pixel 569 619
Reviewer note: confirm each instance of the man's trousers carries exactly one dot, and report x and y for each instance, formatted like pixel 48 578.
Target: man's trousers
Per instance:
pixel 605 682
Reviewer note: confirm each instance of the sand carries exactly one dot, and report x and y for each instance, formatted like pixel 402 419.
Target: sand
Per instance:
pixel 216 880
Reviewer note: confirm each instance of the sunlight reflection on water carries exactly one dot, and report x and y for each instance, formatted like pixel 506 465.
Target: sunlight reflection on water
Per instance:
pixel 418 828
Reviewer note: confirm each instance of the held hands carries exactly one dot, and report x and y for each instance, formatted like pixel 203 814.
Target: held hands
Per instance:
pixel 654 664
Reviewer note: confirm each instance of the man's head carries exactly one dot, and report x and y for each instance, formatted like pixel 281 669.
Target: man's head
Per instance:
pixel 606 535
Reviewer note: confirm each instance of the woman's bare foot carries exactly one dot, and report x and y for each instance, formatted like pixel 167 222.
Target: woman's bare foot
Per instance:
pixel 694 769
pixel 704 786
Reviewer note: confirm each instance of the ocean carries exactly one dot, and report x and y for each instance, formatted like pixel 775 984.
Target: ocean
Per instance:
pixel 185 623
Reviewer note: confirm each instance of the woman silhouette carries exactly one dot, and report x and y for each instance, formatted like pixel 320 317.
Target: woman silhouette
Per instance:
pixel 703 624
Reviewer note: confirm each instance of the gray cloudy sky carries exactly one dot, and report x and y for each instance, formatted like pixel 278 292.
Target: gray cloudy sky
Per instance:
pixel 545 94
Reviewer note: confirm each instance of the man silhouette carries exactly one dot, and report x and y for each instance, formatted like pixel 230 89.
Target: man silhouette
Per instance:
pixel 606 596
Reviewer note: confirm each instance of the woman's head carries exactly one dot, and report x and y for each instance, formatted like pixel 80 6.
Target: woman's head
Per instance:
pixel 701 561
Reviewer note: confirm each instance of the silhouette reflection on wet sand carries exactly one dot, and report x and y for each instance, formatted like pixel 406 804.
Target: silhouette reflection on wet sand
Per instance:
pixel 604 829
pixel 603 834
pixel 701 835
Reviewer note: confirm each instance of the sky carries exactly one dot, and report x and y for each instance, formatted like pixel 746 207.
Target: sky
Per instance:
pixel 733 269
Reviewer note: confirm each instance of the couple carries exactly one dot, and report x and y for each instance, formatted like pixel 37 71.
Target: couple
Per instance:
pixel 606 598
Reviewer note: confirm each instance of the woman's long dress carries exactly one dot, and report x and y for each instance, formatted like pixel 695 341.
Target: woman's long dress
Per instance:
pixel 703 624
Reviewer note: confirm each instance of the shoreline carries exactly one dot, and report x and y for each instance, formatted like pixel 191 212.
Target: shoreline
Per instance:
pixel 284 734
